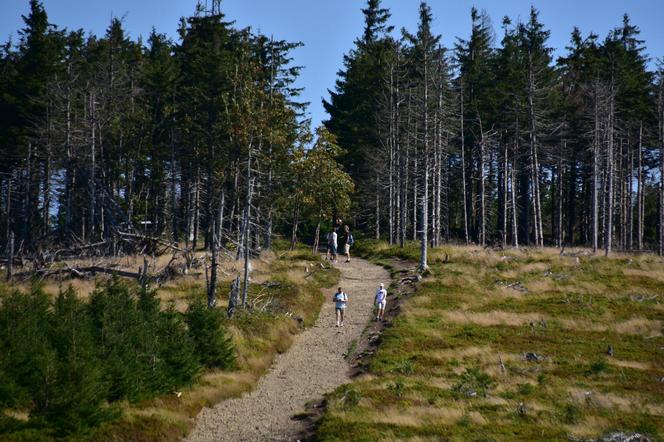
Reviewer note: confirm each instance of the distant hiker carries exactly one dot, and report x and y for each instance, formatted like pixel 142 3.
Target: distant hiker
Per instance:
pixel 381 302
pixel 328 253
pixel 340 300
pixel 332 245
pixel 348 241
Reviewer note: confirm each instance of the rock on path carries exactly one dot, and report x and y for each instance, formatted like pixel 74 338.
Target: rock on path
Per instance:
pixel 314 365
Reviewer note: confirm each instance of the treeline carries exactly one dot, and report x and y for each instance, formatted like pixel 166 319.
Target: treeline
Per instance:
pixel 495 142
pixel 67 362
pixel 107 139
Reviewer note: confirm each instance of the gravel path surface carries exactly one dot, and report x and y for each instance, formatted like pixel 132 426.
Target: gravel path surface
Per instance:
pixel 314 365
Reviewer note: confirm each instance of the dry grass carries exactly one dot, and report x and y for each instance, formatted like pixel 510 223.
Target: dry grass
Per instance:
pixel 541 285
pixel 589 427
pixel 411 417
pixel 641 327
pixel 630 364
pixel 652 272
pixel 492 318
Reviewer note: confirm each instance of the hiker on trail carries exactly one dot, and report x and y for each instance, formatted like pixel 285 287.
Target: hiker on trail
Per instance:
pixel 381 301
pixel 348 241
pixel 340 300
pixel 332 245
pixel 328 253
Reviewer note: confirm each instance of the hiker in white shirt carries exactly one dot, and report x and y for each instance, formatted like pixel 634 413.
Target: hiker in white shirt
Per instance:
pixel 340 300
pixel 332 244
pixel 381 302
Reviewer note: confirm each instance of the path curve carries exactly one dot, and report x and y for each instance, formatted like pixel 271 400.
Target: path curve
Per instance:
pixel 313 365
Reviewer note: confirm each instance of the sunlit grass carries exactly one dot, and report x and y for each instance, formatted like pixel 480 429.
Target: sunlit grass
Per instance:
pixel 455 366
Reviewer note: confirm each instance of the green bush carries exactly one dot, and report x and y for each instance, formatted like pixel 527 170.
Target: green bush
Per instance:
pixel 213 348
pixel 66 362
pixel 473 382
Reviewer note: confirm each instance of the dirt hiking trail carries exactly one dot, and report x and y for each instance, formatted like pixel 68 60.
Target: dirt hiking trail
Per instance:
pixel 314 365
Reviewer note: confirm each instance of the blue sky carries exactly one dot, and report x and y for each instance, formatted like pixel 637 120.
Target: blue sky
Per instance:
pixel 328 28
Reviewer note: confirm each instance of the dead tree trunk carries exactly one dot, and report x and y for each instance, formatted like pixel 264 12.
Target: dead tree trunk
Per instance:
pixel 515 226
pixel 314 249
pixel 482 184
pixel 537 208
pixel 559 196
pixel 245 235
pixel 377 207
pixel 174 201
pixel 660 109
pixel 464 192
pixel 608 220
pixel 10 256
pixel 424 265
pixel 212 286
pixel 233 296
pixel 640 191
pixel 504 184
pixel 93 165
pixel 595 179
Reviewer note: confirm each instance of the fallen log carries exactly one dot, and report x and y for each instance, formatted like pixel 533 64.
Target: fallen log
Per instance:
pixel 79 272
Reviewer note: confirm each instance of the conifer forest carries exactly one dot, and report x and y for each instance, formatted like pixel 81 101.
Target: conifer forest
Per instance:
pixel 491 141
pixel 200 149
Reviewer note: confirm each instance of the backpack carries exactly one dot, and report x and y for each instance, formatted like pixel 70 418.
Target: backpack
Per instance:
pixel 351 240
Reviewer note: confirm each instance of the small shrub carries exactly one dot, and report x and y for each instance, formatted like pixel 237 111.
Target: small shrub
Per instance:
pixel 350 398
pixel 541 379
pixel 571 414
pixel 597 367
pixel 525 389
pixel 404 367
pixel 213 348
pixel 473 382
pixel 397 388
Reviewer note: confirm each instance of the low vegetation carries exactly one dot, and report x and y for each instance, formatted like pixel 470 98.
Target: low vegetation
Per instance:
pixel 127 364
pixel 513 345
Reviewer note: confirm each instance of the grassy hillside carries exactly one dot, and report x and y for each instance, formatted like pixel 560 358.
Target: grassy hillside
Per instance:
pixel 514 345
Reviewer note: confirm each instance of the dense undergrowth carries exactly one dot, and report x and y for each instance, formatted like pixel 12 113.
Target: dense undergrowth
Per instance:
pixel 513 345
pixel 124 365
pixel 67 363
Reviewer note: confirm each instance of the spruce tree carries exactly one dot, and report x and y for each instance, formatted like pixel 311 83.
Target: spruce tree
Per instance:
pixel 354 103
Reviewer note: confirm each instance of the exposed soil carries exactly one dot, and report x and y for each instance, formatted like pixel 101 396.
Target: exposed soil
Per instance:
pixel 314 365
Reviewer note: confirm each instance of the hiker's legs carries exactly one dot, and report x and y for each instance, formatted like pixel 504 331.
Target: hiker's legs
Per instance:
pixel 347 250
pixel 342 310
pixel 338 313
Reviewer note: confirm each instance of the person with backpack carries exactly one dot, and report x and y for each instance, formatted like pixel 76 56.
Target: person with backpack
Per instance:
pixel 340 300
pixel 381 302
pixel 332 246
pixel 349 241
